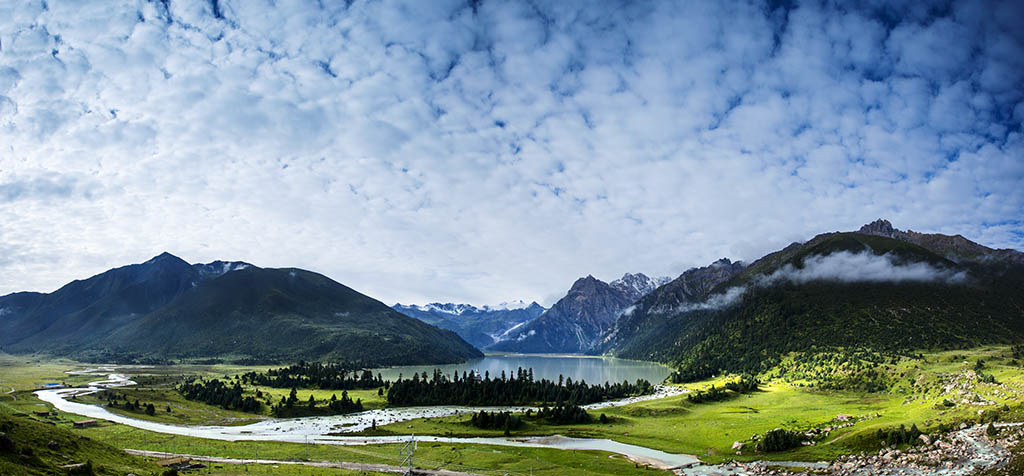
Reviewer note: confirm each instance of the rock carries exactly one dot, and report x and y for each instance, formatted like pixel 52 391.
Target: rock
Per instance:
pixel 737 446
pixel 925 439
pixel 53 445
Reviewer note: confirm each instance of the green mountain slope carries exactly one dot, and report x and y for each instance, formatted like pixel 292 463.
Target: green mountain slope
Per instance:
pixel 166 308
pixel 84 310
pixel 33 448
pixel 902 297
pixel 285 315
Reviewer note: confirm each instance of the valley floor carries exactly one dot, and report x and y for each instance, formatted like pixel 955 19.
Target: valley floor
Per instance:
pixel 944 388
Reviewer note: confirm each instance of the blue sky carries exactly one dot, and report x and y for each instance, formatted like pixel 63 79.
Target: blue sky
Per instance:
pixel 488 151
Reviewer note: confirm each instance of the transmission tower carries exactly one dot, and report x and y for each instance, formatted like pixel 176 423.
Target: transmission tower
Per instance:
pixel 407 453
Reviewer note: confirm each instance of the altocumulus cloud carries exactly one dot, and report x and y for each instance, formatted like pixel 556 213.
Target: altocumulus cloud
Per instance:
pixel 488 150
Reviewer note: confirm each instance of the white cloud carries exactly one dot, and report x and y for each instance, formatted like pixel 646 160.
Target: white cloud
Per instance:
pixel 424 151
pixel 848 267
pixel 843 267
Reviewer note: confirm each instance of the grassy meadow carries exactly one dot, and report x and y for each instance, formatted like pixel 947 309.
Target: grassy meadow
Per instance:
pixel 934 388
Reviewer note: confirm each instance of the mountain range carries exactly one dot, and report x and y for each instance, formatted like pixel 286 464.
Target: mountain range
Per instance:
pixel 480 326
pixel 167 308
pixel 575 322
pixel 878 288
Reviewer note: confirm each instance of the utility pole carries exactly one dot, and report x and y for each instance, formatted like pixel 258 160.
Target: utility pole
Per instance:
pixel 407 453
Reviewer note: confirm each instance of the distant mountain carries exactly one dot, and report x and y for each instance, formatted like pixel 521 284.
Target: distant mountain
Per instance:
pixel 577 320
pixel 636 286
pixel 691 287
pixel 166 308
pixel 839 290
pixel 480 326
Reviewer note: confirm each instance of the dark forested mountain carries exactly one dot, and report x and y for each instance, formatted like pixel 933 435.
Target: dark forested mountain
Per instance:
pixel 480 326
pixel 838 290
pixel 577 320
pixel 81 310
pixel 166 308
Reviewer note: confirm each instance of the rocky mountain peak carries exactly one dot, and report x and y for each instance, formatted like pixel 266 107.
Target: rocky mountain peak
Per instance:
pixel 584 283
pixel 636 286
pixel 723 262
pixel 165 257
pixel 879 227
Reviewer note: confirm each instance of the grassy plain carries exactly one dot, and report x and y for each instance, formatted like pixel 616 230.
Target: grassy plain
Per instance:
pixel 709 430
pixel 673 424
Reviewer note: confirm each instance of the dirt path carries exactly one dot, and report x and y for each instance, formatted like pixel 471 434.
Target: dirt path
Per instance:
pixel 380 468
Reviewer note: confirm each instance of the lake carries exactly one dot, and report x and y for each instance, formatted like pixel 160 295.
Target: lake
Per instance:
pixel 589 368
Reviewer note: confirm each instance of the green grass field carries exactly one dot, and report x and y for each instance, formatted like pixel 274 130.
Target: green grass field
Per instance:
pixel 672 424
pixel 708 430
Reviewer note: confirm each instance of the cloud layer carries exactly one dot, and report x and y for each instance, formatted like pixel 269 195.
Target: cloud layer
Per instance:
pixel 848 267
pixel 487 151
pixel 842 267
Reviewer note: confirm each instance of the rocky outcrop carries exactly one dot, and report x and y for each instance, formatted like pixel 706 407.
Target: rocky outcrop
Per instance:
pixel 956 248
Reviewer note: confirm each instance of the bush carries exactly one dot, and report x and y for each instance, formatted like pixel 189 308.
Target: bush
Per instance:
pixel 991 430
pixel 780 440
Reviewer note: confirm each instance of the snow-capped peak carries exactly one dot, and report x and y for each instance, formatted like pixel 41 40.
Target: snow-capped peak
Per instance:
pixel 637 285
pixel 460 309
pixel 508 305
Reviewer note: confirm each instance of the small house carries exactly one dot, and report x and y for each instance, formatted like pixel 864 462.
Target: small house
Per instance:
pixel 85 424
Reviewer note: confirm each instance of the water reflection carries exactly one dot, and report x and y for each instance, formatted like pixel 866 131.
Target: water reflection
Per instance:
pixel 591 369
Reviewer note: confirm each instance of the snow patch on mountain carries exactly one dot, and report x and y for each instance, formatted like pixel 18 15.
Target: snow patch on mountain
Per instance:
pixel 460 309
pixel 638 285
pixel 218 267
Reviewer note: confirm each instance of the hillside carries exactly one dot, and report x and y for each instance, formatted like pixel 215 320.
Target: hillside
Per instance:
pixel 838 290
pixel 577 320
pixel 29 447
pixel 480 326
pixel 168 309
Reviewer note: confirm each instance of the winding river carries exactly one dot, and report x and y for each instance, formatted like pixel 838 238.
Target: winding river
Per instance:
pixel 325 430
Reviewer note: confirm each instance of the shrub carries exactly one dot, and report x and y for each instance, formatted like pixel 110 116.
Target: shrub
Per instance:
pixel 780 440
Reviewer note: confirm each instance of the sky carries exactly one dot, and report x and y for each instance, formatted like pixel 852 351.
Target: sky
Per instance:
pixel 487 151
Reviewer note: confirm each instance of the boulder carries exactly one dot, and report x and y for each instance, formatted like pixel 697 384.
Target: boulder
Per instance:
pixel 925 439
pixel 737 446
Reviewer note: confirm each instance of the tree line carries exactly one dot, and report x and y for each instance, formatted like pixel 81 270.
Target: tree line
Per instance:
pixel 215 392
pixel 136 406
pixel 290 407
pixel 520 389
pixel 496 421
pixel 746 383
pixel 330 376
